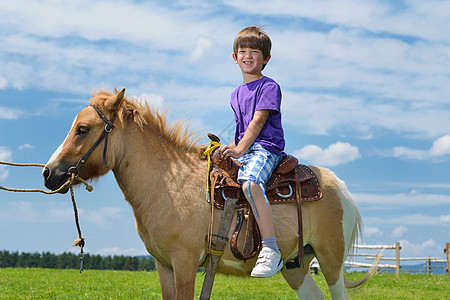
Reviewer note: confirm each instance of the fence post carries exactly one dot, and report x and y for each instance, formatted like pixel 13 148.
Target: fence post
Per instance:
pixel 397 259
pixel 447 250
pixel 428 265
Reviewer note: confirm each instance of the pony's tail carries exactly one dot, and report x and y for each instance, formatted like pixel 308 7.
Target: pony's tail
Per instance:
pixel 357 232
pixel 370 273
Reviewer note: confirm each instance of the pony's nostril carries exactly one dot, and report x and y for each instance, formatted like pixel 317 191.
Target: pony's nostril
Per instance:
pixel 46 173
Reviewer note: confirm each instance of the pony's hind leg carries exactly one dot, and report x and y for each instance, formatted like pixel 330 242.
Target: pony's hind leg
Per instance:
pixel 332 269
pixel 338 290
pixel 301 281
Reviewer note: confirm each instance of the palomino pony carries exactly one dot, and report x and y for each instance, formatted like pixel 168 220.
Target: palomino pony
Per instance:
pixel 162 174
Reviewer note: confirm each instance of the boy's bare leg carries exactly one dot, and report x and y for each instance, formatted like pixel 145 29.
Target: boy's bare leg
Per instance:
pixel 263 209
pixel 269 259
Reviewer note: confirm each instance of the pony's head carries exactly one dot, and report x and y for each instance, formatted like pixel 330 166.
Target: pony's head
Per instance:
pixel 84 151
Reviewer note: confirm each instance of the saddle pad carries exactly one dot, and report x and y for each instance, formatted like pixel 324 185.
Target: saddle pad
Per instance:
pixel 279 188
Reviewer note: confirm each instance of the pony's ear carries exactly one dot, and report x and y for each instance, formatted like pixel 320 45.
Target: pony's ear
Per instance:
pixel 113 102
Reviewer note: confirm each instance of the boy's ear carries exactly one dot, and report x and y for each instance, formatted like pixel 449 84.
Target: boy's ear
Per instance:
pixel 267 59
pixel 234 57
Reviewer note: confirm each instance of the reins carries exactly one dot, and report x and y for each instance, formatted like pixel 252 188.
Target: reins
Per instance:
pixel 70 181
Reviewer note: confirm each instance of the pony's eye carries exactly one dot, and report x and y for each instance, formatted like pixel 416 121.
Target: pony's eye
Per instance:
pixel 82 130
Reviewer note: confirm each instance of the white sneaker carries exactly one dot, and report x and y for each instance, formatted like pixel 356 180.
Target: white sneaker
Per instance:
pixel 268 264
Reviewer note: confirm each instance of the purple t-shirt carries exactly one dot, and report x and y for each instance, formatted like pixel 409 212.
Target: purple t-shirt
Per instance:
pixel 260 94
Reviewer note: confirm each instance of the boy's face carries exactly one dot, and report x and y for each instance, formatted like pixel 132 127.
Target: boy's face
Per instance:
pixel 250 61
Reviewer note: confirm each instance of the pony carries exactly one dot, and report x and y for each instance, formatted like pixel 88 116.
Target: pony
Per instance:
pixel 162 173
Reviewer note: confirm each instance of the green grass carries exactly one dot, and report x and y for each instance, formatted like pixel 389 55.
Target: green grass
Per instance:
pixel 93 284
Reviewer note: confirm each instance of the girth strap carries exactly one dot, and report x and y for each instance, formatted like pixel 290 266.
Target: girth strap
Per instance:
pixel 219 241
pixel 300 222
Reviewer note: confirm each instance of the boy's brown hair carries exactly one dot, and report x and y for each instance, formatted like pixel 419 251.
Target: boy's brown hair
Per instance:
pixel 255 38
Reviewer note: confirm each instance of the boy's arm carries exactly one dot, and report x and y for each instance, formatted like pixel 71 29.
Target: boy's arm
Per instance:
pixel 250 135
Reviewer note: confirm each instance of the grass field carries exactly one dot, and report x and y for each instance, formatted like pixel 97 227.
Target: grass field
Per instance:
pixel 92 284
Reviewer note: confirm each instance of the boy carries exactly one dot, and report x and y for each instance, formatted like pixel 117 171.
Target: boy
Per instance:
pixel 259 138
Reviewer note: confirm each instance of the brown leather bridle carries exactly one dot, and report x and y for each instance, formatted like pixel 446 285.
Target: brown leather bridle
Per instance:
pixel 108 128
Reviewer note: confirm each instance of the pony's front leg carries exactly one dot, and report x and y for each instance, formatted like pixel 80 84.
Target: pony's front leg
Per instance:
pixel 167 281
pixel 185 271
pixel 178 281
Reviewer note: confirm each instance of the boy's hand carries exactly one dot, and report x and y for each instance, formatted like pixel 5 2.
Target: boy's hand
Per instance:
pixel 227 151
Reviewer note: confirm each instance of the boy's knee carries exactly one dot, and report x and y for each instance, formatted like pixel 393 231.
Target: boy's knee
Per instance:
pixel 250 187
pixel 246 185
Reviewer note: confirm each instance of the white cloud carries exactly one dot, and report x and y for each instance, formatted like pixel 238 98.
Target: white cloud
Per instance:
pixel 411 19
pixel 149 39
pixel 3 83
pixel 400 200
pixel 361 57
pixel 399 231
pixel 336 154
pixel 427 248
pixel 409 219
pixel 102 218
pixel 155 100
pixel 201 46
pixel 27 212
pixel 5 155
pixel 9 114
pixel 332 113
pixel 439 149
pixel 25 146
pixel 372 232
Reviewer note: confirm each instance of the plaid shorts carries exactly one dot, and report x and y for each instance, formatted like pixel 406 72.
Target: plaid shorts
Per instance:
pixel 257 165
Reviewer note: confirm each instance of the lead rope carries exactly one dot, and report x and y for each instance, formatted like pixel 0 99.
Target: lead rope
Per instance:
pixel 80 240
pixel 70 181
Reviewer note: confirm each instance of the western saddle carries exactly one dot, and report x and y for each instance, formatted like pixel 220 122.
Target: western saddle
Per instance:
pixel 290 182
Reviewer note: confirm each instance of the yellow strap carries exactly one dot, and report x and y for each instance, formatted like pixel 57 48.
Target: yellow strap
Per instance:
pixel 212 145
pixel 217 253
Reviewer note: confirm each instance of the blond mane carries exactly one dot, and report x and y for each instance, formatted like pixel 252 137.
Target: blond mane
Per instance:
pixel 143 115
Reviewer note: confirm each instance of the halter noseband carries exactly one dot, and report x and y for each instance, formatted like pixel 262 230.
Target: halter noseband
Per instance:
pixel 108 128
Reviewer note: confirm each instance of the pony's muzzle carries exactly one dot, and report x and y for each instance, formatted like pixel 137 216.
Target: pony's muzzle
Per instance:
pixel 54 178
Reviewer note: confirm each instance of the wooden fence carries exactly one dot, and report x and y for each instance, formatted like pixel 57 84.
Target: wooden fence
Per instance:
pixel 429 260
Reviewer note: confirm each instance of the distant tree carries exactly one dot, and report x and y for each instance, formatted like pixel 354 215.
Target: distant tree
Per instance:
pixel 4 259
pixel 131 263
pixel 96 262
pixel 14 259
pixel 67 260
pixel 24 260
pixel 35 260
pixel 147 264
pixel 108 263
pixel 48 260
pixel 118 262
pixel 8 259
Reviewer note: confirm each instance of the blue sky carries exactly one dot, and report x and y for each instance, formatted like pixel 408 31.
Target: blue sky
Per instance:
pixel 365 93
